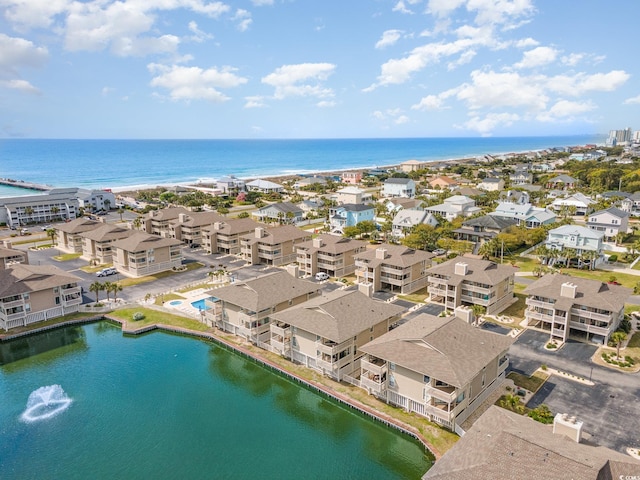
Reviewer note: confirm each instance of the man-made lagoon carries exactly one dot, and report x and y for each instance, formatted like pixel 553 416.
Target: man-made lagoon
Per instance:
pixel 167 406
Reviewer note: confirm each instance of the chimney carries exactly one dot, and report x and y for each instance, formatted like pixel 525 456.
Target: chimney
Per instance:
pixel 568 290
pixel 216 225
pixel 259 233
pixel 182 217
pixel 366 288
pixel 292 268
pixel 461 268
pixel 465 313
pixel 567 425
pixel 7 244
pixel 317 242
pixel 381 253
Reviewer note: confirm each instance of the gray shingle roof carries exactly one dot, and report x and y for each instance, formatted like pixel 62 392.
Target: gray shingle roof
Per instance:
pixel 338 315
pixel 591 293
pixel 397 255
pixel 448 349
pixel 141 241
pixel 503 445
pixel 478 270
pixel 105 232
pixel 232 226
pixel 613 211
pixel 264 292
pixel 490 221
pixel 78 225
pixel 332 244
pixel 21 278
pixel 276 235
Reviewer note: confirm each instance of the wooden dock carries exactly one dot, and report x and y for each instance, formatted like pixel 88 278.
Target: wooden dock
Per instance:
pixel 26 185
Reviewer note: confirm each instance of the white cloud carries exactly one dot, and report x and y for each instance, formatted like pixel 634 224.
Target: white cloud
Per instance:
pixel 572 59
pixel 300 80
pixel 243 17
pixel 537 57
pixel 107 91
pixel 20 85
pixel 198 35
pixel 326 104
pixel 501 12
pixel 262 3
pixel 443 8
pixel 465 58
pixel 632 100
pixel 402 119
pixel 26 14
pixel 255 101
pixel 400 7
pixel 486 125
pixel 526 43
pixel 194 83
pixel 565 109
pixel 17 53
pixel 389 37
pixel 430 102
pixel 581 83
pixel 378 115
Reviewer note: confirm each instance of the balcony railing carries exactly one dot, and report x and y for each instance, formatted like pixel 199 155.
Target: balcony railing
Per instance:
pixel 592 315
pixel 331 348
pixel 446 394
pixel 589 328
pixel 375 367
pixel 372 385
pixel 281 331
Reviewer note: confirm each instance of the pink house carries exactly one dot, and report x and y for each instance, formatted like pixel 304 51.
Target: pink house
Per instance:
pixel 352 177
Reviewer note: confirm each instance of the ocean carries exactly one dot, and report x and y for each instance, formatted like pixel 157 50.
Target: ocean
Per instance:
pixel 147 163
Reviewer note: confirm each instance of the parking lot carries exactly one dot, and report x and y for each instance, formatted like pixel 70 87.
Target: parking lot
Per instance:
pixel 609 409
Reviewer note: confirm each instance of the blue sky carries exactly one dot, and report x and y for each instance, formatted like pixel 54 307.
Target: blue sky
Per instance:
pixel 316 68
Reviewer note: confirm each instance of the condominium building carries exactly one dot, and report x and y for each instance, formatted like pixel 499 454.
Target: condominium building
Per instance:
pixel 245 308
pixel 97 244
pixel 472 281
pixel 30 294
pixel 326 332
pixel 144 254
pixel 572 307
pixel 10 256
pixel 69 235
pixel 272 246
pixel 395 268
pixel 157 221
pixel 329 254
pixel 56 204
pixel 442 368
pixel 188 227
pixel 224 236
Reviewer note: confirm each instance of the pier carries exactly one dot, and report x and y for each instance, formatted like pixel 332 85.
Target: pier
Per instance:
pixel 27 185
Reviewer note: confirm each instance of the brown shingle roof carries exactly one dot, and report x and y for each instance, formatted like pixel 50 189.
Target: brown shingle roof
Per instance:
pixel 503 445
pixel 339 315
pixel 21 278
pixel 276 235
pixel 591 293
pixel 198 219
pixel 232 226
pixel 141 241
pixel 448 349
pixel 106 232
pixel 332 244
pixel 264 292
pixel 167 213
pixel 478 270
pixel 396 255
pixel 78 225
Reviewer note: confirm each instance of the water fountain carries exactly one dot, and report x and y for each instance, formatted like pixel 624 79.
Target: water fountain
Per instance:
pixel 45 402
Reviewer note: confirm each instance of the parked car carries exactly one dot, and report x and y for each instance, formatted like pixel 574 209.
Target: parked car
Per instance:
pixel 439 251
pixel 105 272
pixel 322 276
pixel 46 227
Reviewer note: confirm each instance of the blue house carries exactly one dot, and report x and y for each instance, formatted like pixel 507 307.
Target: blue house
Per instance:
pixel 349 215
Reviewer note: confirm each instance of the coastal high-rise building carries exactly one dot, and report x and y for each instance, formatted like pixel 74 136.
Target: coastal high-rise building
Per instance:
pixel 618 137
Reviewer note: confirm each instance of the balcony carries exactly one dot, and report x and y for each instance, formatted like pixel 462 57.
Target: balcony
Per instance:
pixel 281 330
pixel 534 315
pixel 13 304
pixel 374 366
pixel 328 347
pixel 537 303
pixel 371 385
pixel 585 327
pixel 591 315
pixel 328 363
pixel 446 394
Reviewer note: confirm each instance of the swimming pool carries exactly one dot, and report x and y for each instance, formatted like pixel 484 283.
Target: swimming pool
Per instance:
pixel 200 305
pixel 175 302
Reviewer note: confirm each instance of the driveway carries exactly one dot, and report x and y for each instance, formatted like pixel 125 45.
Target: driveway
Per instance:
pixel 609 409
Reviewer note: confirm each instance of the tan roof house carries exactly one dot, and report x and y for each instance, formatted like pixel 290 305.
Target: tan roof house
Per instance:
pixel 30 294
pixel 472 281
pixel 412 166
pixel 326 332
pixel 10 256
pixel 97 243
pixel 144 254
pixel 393 267
pixel 188 226
pixel 245 308
pixel 443 182
pixel 272 246
pixel 439 367
pixel 69 235
pixel 580 308
pixel 157 221
pixel 224 236
pixel 329 254
pixel 502 445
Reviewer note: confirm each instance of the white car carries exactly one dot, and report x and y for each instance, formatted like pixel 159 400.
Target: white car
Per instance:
pixel 105 272
pixel 322 276
pixel 439 251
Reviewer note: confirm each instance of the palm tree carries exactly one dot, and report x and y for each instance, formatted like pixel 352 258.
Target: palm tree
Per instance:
pixel 28 211
pixel 488 248
pixel 107 204
pixel 115 288
pixel 120 212
pixel 618 337
pixel 137 222
pixel 51 233
pixel 107 288
pixel 96 287
pixel 54 212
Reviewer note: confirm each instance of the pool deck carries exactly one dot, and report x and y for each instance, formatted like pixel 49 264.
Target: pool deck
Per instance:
pixel 190 297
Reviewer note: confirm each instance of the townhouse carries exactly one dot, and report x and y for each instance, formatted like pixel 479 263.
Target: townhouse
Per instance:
pixel 394 268
pixel 224 236
pixel 245 308
pixel 349 215
pixel 327 332
pixel 330 254
pixel 441 368
pixel 97 244
pixel 69 235
pixel 272 246
pixel 472 281
pixel 31 293
pixel 578 308
pixel 157 221
pixel 412 166
pixel 143 254
pixel 56 204
pixel 188 226
pixel 611 221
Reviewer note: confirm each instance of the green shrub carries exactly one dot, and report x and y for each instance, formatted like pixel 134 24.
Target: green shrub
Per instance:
pixel 138 316
pixel 551 345
pixel 543 367
pixel 613 258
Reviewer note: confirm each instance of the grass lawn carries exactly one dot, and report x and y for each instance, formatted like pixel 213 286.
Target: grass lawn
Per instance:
pixel 416 297
pixel 532 383
pixel 635 341
pixel 152 317
pixel 167 297
pixel 67 256
pixel 516 310
pixel 128 282
pixel 624 278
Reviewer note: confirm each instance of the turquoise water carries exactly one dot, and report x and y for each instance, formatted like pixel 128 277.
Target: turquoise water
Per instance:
pixel 175 302
pixel 200 305
pixel 118 163
pixel 166 406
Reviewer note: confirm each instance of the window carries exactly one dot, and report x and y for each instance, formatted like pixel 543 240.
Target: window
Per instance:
pixel 427 379
pixel 392 366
